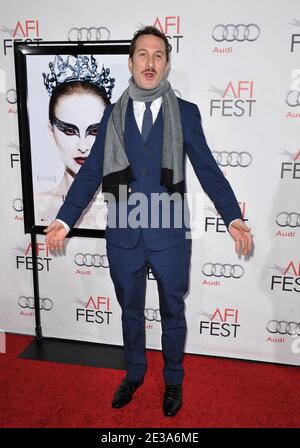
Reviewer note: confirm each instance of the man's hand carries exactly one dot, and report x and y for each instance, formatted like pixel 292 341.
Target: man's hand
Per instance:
pixel 242 237
pixel 55 235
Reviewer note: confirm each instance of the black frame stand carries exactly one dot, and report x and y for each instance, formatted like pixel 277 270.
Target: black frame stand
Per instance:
pixel 63 350
pixel 36 289
pixel 41 348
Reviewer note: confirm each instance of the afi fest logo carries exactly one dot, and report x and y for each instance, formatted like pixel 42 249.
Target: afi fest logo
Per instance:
pixel 25 261
pixel 236 100
pixel 295 40
pixel 289 278
pixel 293 96
pixel 215 223
pixel 171 27
pixel 14 155
pixel 221 323
pixel 95 311
pixel 290 170
pixel 227 34
pixel 24 31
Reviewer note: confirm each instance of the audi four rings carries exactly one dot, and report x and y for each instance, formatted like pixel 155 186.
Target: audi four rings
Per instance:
pixel 11 96
pixel 233 158
pixel 283 327
pixel 239 32
pixel 18 205
pixel 286 219
pixel 91 260
pixel 293 98
pixel 91 33
pixel 152 314
pixel 223 270
pixel 28 302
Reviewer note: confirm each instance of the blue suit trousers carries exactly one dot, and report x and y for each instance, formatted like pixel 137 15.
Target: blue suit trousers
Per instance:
pixel 128 270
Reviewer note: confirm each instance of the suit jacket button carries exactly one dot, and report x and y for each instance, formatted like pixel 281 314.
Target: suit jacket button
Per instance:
pixel 144 172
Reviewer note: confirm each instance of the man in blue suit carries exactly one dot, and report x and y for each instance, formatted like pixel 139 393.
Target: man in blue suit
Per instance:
pixel 139 152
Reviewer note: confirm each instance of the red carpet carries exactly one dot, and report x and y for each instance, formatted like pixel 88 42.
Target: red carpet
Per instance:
pixel 217 393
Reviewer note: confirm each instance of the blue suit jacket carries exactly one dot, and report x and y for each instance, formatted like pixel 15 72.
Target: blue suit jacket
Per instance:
pixel 145 161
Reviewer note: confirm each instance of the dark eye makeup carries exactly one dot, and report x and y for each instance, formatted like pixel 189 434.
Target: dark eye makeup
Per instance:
pixel 66 128
pixel 71 129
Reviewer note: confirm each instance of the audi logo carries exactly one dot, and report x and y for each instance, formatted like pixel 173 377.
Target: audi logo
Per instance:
pixel 223 270
pixel 18 205
pixel 239 32
pixel 233 158
pixel 28 302
pixel 283 327
pixel 293 98
pixel 91 260
pixel 152 314
pixel 92 33
pixel 285 219
pixel 11 96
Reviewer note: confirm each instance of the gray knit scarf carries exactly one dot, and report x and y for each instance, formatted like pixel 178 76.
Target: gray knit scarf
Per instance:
pixel 116 167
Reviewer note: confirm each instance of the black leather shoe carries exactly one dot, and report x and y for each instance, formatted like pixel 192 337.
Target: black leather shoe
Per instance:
pixel 125 392
pixel 172 399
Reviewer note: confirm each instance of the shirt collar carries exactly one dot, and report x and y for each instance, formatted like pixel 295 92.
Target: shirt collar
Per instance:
pixel 140 105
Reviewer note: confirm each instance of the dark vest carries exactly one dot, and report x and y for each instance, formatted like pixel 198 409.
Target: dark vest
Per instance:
pixel 145 161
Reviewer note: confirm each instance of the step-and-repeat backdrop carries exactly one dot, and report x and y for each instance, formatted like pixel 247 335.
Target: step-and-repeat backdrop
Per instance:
pixel 240 62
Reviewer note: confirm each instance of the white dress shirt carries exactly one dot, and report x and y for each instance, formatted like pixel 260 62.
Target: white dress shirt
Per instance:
pixel 139 108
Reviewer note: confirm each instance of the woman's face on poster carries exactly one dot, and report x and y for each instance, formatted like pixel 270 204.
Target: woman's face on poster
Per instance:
pixel 75 125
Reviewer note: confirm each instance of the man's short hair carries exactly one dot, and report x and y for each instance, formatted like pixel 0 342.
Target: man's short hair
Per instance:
pixel 152 30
